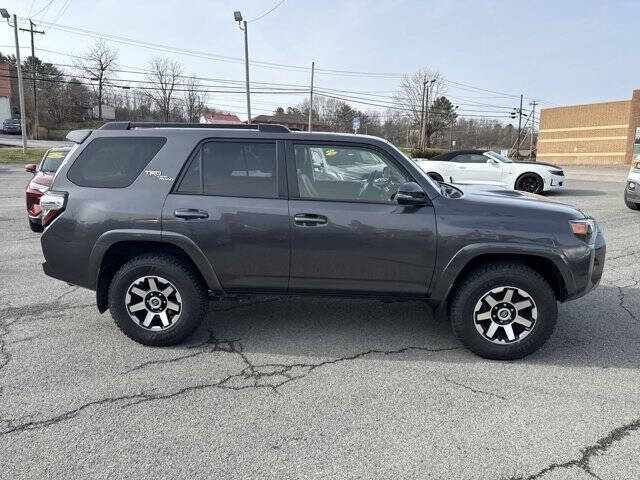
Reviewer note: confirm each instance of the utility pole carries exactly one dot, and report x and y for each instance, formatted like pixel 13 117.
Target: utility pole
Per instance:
pixel 519 128
pixel 426 111
pixel 36 123
pixel 421 136
pixel 20 86
pixel 533 119
pixel 311 96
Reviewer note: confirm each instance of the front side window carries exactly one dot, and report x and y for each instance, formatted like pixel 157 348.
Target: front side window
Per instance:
pixel 232 169
pixel 113 162
pixel 470 158
pixel 330 172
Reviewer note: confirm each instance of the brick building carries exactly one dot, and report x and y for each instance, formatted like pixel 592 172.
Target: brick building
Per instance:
pixel 593 134
pixel 5 92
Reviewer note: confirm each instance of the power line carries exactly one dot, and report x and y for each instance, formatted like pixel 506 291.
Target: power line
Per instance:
pixel 267 12
pixel 46 7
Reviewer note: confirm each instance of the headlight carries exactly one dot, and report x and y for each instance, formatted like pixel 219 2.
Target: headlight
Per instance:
pixel 585 229
pixel 38 187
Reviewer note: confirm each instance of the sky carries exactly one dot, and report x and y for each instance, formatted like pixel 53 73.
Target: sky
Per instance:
pixel 557 52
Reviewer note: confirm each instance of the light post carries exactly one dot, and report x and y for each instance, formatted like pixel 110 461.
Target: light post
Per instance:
pixel 23 124
pixel 237 16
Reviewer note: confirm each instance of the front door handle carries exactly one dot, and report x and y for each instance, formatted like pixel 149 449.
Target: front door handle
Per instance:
pixel 309 219
pixel 190 213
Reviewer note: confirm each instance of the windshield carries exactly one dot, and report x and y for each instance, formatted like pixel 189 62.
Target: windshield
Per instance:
pixel 500 158
pixel 52 160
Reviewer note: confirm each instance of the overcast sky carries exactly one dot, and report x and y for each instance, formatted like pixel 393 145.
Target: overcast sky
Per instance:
pixel 560 52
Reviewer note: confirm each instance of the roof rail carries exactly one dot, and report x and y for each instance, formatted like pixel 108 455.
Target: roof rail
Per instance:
pixel 262 127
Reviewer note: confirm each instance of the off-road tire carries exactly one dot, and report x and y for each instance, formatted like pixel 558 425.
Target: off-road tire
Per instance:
pixel 487 277
pixel 192 290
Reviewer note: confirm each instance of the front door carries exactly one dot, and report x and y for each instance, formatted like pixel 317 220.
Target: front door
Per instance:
pixel 231 201
pixel 347 234
pixel 475 167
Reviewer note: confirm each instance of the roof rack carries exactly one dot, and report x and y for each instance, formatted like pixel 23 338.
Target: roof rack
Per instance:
pixel 262 127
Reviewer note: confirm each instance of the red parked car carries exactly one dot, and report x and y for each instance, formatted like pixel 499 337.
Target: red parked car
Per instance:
pixel 41 181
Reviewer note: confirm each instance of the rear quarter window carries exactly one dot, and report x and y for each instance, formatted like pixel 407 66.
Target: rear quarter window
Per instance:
pixel 113 162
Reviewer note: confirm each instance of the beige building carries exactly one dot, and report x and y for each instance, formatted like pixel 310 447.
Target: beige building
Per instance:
pixel 593 134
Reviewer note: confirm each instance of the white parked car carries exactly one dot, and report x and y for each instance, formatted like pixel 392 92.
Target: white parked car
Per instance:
pixel 632 190
pixel 488 167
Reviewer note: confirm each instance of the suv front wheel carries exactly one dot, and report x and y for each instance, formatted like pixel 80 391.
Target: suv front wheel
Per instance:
pixel 503 311
pixel 157 299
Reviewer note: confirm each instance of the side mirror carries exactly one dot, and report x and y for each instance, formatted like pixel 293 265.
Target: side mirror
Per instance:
pixel 31 167
pixel 410 193
pixel 492 161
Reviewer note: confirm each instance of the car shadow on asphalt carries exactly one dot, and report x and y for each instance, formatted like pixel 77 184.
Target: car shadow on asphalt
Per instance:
pixel 599 330
pixel 581 192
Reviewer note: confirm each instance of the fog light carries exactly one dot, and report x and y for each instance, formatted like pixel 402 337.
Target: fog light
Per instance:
pixel 632 186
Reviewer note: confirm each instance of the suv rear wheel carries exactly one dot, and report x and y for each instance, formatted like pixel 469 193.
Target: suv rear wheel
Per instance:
pixel 503 311
pixel 157 299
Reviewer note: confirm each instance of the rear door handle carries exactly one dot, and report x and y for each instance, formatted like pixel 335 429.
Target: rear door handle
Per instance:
pixel 190 213
pixel 309 219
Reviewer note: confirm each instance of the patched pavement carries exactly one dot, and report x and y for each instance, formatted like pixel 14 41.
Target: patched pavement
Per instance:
pixel 316 388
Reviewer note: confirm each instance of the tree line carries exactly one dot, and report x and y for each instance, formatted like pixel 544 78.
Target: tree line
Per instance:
pixel 75 100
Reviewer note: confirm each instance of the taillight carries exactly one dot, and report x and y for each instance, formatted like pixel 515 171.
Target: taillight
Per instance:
pixel 52 204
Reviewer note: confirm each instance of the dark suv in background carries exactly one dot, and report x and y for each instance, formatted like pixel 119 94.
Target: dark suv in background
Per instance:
pixel 160 218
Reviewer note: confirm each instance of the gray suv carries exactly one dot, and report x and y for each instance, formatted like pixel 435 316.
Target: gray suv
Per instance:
pixel 159 219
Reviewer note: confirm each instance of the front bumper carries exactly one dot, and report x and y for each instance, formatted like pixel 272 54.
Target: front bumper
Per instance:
pixel 594 269
pixel 553 182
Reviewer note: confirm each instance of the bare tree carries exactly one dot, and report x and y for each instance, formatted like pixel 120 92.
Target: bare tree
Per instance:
pixel 99 64
pixel 409 96
pixel 163 76
pixel 194 100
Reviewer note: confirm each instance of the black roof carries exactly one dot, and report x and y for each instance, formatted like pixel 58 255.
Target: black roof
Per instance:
pixel 445 157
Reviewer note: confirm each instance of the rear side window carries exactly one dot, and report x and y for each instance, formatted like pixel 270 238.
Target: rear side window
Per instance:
pixel 232 169
pixel 113 162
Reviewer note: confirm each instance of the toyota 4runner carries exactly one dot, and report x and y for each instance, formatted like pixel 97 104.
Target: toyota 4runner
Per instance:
pixel 160 218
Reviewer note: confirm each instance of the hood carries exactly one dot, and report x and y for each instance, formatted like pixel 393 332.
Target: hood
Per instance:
pixel 43 178
pixel 541 163
pixel 505 198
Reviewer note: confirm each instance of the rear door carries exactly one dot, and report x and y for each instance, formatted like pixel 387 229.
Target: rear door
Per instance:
pixel 348 235
pixel 231 201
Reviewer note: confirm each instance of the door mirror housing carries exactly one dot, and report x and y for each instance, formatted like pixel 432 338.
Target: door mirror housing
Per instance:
pixel 31 167
pixel 492 161
pixel 410 193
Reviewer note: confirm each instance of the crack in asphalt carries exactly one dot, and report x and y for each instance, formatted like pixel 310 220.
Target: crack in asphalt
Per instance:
pixel 583 462
pixel 475 390
pixel 624 307
pixel 210 345
pixel 15 313
pixel 269 376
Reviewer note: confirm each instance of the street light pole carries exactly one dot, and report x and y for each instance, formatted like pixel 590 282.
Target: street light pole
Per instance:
pixel 242 24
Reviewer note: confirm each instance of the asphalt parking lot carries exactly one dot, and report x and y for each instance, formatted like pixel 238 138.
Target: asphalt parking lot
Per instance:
pixel 316 388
